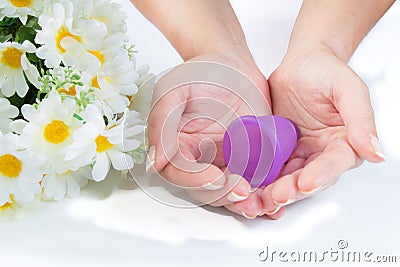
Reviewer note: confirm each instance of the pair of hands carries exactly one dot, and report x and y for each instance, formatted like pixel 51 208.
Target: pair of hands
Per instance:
pixel 312 87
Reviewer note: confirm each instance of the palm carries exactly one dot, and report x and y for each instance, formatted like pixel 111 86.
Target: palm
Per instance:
pixel 209 108
pixel 205 118
pixel 307 97
pixel 201 112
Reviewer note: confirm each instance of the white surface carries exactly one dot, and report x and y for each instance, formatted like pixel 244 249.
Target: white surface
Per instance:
pixel 112 227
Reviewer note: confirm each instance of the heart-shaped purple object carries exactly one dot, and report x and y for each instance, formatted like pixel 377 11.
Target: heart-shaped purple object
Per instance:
pixel 257 147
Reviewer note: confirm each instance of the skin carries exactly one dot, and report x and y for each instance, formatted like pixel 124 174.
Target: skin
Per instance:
pixel 313 86
pixel 316 88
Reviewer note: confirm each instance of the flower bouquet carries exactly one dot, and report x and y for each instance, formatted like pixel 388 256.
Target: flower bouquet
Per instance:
pixel 67 78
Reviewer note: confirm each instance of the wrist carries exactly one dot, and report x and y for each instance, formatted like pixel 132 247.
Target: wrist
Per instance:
pixel 240 60
pixel 221 39
pixel 339 25
pixel 342 50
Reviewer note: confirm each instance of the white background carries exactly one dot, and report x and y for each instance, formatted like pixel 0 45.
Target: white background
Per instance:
pixel 108 226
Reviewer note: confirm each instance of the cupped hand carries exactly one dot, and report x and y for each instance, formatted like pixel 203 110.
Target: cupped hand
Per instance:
pixel 331 105
pixel 186 127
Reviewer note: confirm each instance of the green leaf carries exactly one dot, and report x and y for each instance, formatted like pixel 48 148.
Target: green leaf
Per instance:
pixel 17 101
pixel 5 38
pixel 32 57
pixel 33 22
pixel 26 33
pixel 29 98
pixel 9 26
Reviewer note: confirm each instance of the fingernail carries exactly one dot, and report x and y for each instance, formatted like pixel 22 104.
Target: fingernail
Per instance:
pixel 233 197
pixel 313 191
pixel 211 186
pixel 378 149
pixel 151 159
pixel 248 216
pixel 274 211
pixel 288 202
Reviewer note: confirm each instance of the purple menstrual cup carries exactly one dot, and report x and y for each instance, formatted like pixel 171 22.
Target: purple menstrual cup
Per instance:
pixel 257 147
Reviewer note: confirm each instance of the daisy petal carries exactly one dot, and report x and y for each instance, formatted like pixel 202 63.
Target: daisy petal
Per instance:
pixel 120 161
pixel 4 197
pixel 61 188
pixel 73 188
pixel 18 126
pixel 49 183
pixel 28 111
pixel 101 167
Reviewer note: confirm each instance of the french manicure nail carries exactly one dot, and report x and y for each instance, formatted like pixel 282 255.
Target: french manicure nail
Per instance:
pixel 288 202
pixel 248 216
pixel 151 158
pixel 210 186
pixel 233 197
pixel 274 211
pixel 313 191
pixel 378 149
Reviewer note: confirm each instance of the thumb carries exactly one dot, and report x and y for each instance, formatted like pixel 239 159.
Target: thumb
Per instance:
pixel 163 127
pixel 352 100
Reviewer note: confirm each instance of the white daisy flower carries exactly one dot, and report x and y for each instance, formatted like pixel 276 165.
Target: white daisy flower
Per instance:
pixel 13 210
pixel 19 174
pixel 13 65
pixel 111 92
pixel 102 145
pixel 57 186
pixel 112 99
pixel 7 113
pixel 58 36
pixel 110 58
pixel 114 83
pixel 20 9
pixel 103 11
pixel 49 129
pixel 123 82
pixel 9 209
pixel 141 101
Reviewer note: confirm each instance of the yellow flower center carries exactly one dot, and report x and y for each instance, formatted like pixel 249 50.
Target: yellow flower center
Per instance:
pixel 8 204
pixel 5 206
pixel 62 33
pixel 21 3
pixel 97 54
pixel 12 57
pixel 95 83
pixel 101 19
pixel 56 132
pixel 103 144
pixel 10 166
pixel 71 91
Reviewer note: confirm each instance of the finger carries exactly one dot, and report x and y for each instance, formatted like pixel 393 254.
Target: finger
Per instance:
pixel 163 123
pixel 270 208
pixel 280 194
pixel 306 146
pixel 283 192
pixel 193 175
pixel 352 100
pixel 278 215
pixel 236 189
pixel 249 208
pixel 293 165
pixel 337 158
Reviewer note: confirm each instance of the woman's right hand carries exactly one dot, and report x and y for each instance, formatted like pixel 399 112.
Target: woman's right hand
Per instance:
pixel 186 126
